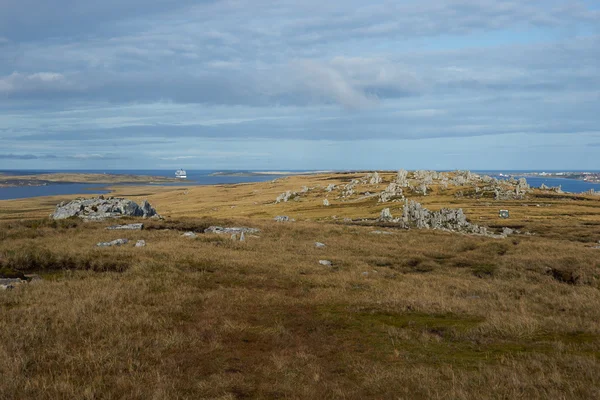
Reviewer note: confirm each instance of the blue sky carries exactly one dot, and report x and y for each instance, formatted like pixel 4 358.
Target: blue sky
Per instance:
pixel 235 84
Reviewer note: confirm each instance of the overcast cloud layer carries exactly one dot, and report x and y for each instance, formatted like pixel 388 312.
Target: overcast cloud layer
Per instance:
pixel 236 84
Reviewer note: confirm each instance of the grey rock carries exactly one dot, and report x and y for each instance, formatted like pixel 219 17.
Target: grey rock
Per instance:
pixel 392 192
pixel 285 197
pixel 242 237
pixel 99 208
pixel 330 187
pixel 402 178
pixel 190 234
pixel 140 243
pixel 116 242
pixel 415 215
pixel 507 231
pixel 128 227
pixel 372 179
pixel 10 283
pixel 320 245
pixel 326 263
pixel 382 233
pixel 230 230
pixel 386 215
pixel 326 202
pixel 283 218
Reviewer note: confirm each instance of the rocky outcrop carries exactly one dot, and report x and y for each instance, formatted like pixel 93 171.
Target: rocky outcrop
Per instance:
pixel 231 230
pixel 283 218
pixel 386 215
pixel 128 227
pixel 116 242
pixel 330 187
pixel 100 208
pixel 392 192
pixel 372 179
pixel 415 215
pixel 10 283
pixel 348 189
pixel 402 178
pixel 557 189
pixel 287 196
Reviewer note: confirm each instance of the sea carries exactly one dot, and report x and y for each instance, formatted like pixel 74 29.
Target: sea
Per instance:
pixel 211 177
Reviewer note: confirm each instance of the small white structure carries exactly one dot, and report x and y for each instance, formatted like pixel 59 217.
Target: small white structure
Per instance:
pixel 181 174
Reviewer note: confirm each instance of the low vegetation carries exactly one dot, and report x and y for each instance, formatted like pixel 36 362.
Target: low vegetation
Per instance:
pixel 414 314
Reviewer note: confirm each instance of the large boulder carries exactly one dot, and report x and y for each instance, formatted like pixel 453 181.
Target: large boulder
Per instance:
pixel 99 208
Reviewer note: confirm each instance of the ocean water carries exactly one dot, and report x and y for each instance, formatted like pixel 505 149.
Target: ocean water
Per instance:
pixel 205 177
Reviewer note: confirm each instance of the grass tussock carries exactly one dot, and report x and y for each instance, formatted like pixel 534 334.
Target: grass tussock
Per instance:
pixel 414 314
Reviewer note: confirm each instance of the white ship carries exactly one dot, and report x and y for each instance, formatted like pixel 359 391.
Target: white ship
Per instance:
pixel 180 173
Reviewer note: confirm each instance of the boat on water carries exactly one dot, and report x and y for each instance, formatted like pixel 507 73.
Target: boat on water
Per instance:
pixel 180 173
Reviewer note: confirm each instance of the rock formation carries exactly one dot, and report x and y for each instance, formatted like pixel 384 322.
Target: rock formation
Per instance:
pixel 128 227
pixel 402 178
pixel 386 215
pixel 372 179
pixel 415 215
pixel 99 208
pixel 326 202
pixel 392 192
pixel 231 230
pixel 285 197
pixel 116 242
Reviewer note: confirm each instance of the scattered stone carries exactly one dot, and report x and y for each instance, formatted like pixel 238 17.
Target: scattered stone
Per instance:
pixel 221 230
pixel 10 283
pixel 392 192
pixel 507 231
pixel 326 263
pixel 283 218
pixel 190 234
pixel 372 179
pixel 386 215
pixel 330 187
pixel 242 237
pixel 304 189
pixel 285 197
pixel 326 203
pixel 140 243
pixel 382 233
pixel 116 242
pixel 365 273
pixel 320 245
pixel 99 208
pixel 128 227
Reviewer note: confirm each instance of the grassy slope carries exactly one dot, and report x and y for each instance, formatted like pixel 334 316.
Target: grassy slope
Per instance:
pixel 416 314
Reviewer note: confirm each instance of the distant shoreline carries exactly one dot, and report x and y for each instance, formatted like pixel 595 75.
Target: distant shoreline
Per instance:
pixel 44 179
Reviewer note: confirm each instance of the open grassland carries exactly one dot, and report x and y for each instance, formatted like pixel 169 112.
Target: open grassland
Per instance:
pixel 409 315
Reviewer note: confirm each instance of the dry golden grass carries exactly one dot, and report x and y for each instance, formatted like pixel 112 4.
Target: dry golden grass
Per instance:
pixel 411 315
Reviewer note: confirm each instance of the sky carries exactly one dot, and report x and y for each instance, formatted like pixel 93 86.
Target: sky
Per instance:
pixel 290 84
